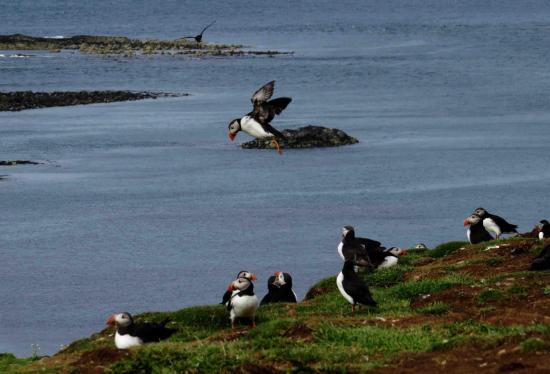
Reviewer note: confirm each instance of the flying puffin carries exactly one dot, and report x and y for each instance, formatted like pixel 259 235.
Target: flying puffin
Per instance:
pixel 242 274
pixel 542 261
pixel 257 122
pixel 495 224
pixel 544 228
pixel 129 334
pixel 243 302
pixel 198 38
pixel 352 288
pixel 476 232
pixel 279 289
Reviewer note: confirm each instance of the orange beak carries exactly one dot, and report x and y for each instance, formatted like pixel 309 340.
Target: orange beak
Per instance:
pixel 253 277
pixel 232 136
pixel 466 222
pixel 111 320
pixel 403 253
pixel 230 287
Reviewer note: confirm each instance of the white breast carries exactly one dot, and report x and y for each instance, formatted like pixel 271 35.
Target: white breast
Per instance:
pixel 126 341
pixel 253 128
pixel 468 235
pixel 340 247
pixel 244 306
pixel 491 226
pixel 541 235
pixel 339 283
pixel 389 261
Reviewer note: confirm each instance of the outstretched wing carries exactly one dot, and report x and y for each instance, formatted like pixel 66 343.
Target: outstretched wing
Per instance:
pixel 279 104
pixel 264 93
pixel 203 30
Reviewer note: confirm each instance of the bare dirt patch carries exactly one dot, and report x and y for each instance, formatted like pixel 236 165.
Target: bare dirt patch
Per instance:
pixel 94 362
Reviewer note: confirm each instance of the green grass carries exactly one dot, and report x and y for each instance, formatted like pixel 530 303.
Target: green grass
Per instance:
pixel 534 345
pixel 489 295
pixel 10 363
pixel 437 308
pixel 444 249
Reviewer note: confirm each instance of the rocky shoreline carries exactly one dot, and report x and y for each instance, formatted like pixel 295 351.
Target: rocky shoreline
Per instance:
pixel 305 137
pixel 21 100
pixel 18 162
pixel 119 45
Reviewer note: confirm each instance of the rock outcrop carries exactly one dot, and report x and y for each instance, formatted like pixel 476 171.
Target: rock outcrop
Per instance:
pixel 20 100
pixel 305 137
pixel 119 45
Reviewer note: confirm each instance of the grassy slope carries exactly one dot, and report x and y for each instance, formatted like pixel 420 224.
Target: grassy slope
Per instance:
pixel 437 309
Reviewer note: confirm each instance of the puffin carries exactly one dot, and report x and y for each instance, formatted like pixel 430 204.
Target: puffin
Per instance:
pixel 243 302
pixel 367 249
pixel 242 274
pixel 542 261
pixel 353 288
pixel 352 247
pixel 257 122
pixel 495 224
pixel 544 228
pixel 130 334
pixel 279 289
pixel 476 232
pixel 198 38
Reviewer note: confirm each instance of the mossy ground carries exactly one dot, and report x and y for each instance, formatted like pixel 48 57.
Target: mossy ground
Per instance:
pixel 458 308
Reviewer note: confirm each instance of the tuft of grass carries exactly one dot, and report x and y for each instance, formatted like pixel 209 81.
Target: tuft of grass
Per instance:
pixel 9 363
pixel 489 295
pixel 437 308
pixel 534 345
pixel 517 291
pixel 494 261
pixel 386 277
pixel 446 248
pixel 546 290
pixel 409 290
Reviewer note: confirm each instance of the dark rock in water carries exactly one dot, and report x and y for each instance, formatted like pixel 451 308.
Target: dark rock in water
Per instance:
pixel 305 137
pixel 20 100
pixel 18 162
pixel 122 46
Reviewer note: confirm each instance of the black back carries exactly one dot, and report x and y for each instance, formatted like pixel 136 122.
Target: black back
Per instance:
pixel 542 261
pixel 283 294
pixel 147 332
pixel 505 227
pixel 362 249
pixel 478 233
pixel 355 286
pixel 545 229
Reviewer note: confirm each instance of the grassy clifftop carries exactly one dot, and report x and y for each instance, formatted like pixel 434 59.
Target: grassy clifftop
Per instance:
pixel 458 308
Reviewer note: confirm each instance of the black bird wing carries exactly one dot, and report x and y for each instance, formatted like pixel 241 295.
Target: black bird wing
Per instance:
pixel 359 291
pixel 369 243
pixel 267 127
pixel 264 93
pixel 503 224
pixel 152 332
pixel 203 30
pixel 226 297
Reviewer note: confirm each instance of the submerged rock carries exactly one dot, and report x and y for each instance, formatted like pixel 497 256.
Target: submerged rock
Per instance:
pixel 20 100
pixel 123 46
pixel 18 162
pixel 305 137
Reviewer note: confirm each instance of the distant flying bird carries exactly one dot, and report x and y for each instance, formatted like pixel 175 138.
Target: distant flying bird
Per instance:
pixel 257 122
pixel 198 38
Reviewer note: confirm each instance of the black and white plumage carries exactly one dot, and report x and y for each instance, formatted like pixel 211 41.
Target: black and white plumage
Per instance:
pixel 353 288
pixel 371 251
pixel 542 261
pixel 544 229
pixel 198 38
pixel 242 274
pixel 279 289
pixel 129 334
pixel 243 302
pixel 476 232
pixel 495 224
pixel 257 123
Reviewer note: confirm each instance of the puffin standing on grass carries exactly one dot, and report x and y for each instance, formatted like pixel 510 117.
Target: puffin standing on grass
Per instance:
pixel 495 224
pixel 242 274
pixel 279 289
pixel 257 122
pixel 476 232
pixel 353 288
pixel 243 302
pixel 129 334
pixel 544 228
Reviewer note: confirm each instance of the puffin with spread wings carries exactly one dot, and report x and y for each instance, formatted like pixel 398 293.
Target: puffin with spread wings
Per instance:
pixel 257 122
